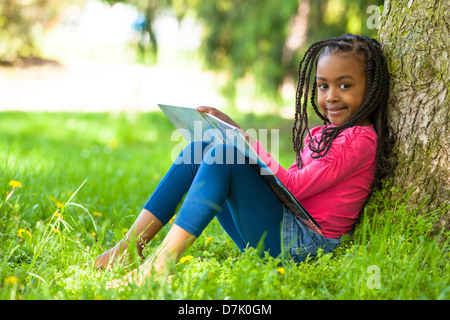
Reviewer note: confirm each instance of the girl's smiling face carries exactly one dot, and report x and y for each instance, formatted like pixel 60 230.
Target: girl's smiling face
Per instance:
pixel 341 87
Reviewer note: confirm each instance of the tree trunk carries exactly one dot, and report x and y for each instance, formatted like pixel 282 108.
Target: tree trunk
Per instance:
pixel 414 35
pixel 297 31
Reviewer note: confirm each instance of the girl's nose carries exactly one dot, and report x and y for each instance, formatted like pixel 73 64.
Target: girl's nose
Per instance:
pixel 332 96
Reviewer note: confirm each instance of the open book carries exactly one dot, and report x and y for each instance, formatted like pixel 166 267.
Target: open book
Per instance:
pixel 194 125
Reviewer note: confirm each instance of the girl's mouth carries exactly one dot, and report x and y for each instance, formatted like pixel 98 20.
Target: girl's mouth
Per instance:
pixel 335 110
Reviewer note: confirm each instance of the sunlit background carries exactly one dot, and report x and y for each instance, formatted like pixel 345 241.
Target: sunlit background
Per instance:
pixel 129 55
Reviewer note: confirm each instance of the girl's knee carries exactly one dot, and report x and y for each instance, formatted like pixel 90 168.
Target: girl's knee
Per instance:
pixel 224 154
pixel 193 153
pixel 195 146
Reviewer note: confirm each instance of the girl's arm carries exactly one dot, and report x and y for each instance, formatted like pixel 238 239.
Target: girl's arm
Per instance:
pixel 351 155
pixel 346 158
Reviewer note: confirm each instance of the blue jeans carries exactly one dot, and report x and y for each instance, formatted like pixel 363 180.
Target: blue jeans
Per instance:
pixel 219 182
pixel 301 243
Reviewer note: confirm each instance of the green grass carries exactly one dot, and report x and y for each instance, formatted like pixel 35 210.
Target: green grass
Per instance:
pixel 101 168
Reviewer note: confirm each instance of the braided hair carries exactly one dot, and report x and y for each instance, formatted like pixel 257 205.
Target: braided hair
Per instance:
pixel 374 105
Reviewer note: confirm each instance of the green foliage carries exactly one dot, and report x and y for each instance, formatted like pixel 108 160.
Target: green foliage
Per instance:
pixel 85 177
pixel 248 38
pixel 244 39
pixel 20 22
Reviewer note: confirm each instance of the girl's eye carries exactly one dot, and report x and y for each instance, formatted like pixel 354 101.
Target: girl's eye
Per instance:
pixel 322 86
pixel 345 86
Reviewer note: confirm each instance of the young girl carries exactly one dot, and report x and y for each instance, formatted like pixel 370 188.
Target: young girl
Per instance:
pixel 336 166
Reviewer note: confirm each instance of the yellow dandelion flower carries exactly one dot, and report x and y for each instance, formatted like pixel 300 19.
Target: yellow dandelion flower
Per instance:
pixel 93 234
pixel 58 215
pixel 186 258
pixel 124 230
pixel 208 240
pixel 20 232
pixel 55 230
pixel 97 214
pixel 59 205
pixel 11 280
pixel 15 184
pixel 281 270
pixel 113 144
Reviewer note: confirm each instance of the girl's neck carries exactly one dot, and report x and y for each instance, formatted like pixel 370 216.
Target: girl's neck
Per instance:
pixel 365 123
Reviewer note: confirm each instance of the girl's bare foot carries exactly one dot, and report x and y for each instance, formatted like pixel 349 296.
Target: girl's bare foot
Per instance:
pixel 137 277
pixel 111 256
pixel 107 258
pixel 143 230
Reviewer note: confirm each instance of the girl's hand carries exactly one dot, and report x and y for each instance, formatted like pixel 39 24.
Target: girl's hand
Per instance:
pixel 218 114
pixel 222 116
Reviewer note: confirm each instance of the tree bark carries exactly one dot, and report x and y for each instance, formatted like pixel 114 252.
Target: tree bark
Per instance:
pixel 414 35
pixel 297 31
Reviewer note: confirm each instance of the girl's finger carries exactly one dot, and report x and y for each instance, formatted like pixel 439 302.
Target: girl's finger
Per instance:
pixel 206 109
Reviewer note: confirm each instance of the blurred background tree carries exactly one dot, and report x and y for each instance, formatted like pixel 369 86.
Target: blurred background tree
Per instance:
pixel 20 22
pixel 262 40
pixel 265 39
pixel 149 10
pixel 248 41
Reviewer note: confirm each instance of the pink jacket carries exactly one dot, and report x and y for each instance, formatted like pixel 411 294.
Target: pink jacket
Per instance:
pixel 333 188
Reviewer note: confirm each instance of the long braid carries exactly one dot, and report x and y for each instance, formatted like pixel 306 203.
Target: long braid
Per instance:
pixel 386 136
pixel 301 117
pixel 374 105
